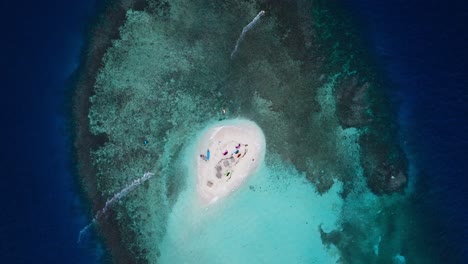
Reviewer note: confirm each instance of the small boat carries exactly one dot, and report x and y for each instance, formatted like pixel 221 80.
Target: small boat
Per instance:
pixel 225 152
pixel 207 154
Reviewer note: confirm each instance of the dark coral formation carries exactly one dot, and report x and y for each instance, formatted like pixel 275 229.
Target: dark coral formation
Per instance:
pixel 384 163
pixel 390 178
pixel 362 102
pixel 334 237
pixel 352 104
pixel 366 106
pixel 348 240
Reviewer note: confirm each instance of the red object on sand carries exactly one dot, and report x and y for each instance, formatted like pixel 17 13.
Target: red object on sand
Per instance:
pixel 238 155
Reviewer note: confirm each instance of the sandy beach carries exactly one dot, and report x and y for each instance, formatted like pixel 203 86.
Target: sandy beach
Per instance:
pixel 227 154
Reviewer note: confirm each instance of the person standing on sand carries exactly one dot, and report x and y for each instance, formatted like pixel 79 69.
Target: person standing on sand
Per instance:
pixel 203 157
pixel 207 156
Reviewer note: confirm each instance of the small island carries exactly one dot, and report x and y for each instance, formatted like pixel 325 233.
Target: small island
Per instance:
pixel 228 153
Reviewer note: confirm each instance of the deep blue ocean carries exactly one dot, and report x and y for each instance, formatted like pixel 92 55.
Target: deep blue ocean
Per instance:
pixel 422 48
pixel 420 45
pixel 41 212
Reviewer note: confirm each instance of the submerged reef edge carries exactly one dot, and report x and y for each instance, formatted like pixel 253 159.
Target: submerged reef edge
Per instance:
pixel 101 31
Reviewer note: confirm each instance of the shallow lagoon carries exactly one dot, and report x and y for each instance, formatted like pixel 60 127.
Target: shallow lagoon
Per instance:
pixel 272 218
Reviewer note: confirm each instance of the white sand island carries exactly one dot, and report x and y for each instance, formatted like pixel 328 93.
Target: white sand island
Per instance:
pixel 227 153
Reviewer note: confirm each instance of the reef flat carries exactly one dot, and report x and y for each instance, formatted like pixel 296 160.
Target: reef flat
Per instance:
pixel 157 72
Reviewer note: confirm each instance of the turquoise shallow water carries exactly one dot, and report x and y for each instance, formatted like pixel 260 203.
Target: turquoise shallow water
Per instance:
pixel 272 218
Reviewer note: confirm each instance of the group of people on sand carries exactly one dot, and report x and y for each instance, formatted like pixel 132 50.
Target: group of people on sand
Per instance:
pixel 236 153
pixel 228 161
pixel 225 165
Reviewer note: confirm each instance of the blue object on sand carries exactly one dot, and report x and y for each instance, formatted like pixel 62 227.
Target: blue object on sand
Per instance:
pixel 237 151
pixel 207 154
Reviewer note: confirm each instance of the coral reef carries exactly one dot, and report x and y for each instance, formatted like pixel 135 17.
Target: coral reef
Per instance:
pixel 362 101
pixel 385 167
pixel 166 70
pixel 352 104
pixel 105 28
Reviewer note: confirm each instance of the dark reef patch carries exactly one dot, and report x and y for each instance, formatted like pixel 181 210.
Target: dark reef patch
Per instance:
pixel 333 237
pixel 352 103
pixel 348 240
pixel 361 100
pixel 385 166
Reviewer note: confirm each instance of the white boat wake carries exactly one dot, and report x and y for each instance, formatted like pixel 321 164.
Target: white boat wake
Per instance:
pixel 114 199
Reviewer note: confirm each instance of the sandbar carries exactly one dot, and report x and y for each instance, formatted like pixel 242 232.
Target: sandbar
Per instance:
pixel 227 154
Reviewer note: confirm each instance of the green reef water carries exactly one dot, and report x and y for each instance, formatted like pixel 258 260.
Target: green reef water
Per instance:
pixel 331 187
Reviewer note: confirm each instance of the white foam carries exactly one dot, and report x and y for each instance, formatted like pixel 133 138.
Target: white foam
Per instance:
pixel 113 200
pixel 245 30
